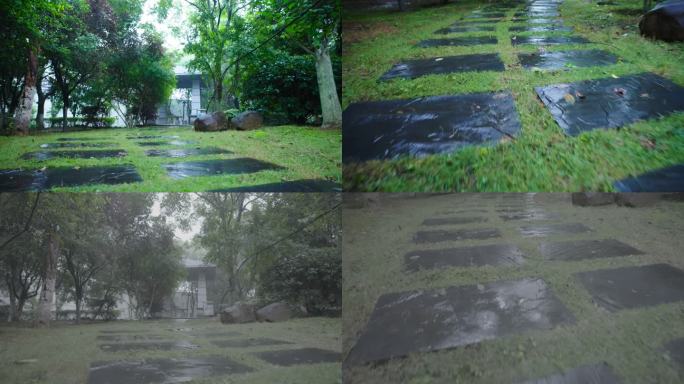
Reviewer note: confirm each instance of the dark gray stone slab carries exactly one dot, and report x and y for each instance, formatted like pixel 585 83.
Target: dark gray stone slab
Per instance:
pixel 565 59
pixel 670 179
pixel 290 186
pixel 148 346
pixel 539 20
pixel 548 40
pixel 47 155
pixel 164 371
pixel 246 343
pixel 586 249
pixel 426 126
pixel 212 334
pixel 455 235
pixel 178 153
pixel 553 229
pixel 611 103
pixel 438 319
pixel 462 29
pixel 675 352
pixel 163 143
pixel 454 220
pixel 37 180
pixel 131 337
pixel 412 69
pixel 291 357
pixel 530 215
pixel 588 374
pixel 497 254
pixel 458 41
pixel 545 28
pixel 76 145
pixel 152 137
pixel 634 287
pixel 218 167
pixel 485 15
pixel 533 15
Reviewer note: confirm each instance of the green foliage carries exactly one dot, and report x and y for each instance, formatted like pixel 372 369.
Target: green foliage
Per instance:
pixel 84 122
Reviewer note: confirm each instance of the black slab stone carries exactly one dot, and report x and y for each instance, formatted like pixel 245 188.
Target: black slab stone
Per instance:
pixel 246 343
pixel 587 374
pixel 290 186
pixel 47 155
pixel 547 28
pixel 426 126
pixel 218 167
pixel 161 143
pixel 454 220
pixel 586 249
pixel 147 346
pixel 19 181
pixel 675 352
pixel 470 28
pixel 497 254
pixel 670 179
pixel 412 69
pixel 553 229
pixel 611 103
pixel 178 153
pixel 131 337
pixel 75 145
pixel 634 287
pixel 291 357
pixel 438 319
pixel 455 235
pixel 561 59
pixel 166 371
pixel 212 334
pixel 458 41
pixel 548 40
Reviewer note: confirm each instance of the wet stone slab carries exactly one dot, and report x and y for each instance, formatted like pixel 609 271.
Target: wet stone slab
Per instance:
pixel 611 103
pixel 462 29
pixel 485 15
pixel 178 153
pixel 246 343
pixel 674 350
pixel 537 21
pixel 47 155
pixel 497 254
pixel 634 287
pixel 512 216
pixel 586 249
pixel 566 59
pixel 455 235
pixel 152 137
pixel 290 186
pixel 469 23
pixel 218 167
pixel 538 14
pixel 547 28
pixel 587 374
pixel 548 40
pixel 79 138
pixel 438 319
pixel 458 41
pixel 454 220
pixel 132 337
pixel 76 145
pixel 291 357
pixel 162 143
pixel 426 126
pixel 19 180
pixel 215 334
pixel 148 346
pixel 164 371
pixel 553 229
pixel 412 69
pixel 670 179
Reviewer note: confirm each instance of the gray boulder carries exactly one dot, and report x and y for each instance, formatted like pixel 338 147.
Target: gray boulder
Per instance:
pixel 274 312
pixel 592 199
pixel 238 313
pixel 247 121
pixel 216 121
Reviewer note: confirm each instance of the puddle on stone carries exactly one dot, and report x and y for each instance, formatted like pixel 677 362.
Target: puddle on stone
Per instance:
pixel 498 254
pixel 438 319
pixel 426 126
pixel 675 351
pixel 152 137
pixel 19 181
pixel 412 69
pixel 611 103
pixel 634 287
pixel 458 41
pixel 469 28
pixel 670 179
pixel 161 143
pixel 454 220
pixel 549 28
pixel 567 59
pixel 290 186
pixel 146 346
pixel 47 155
pixel 287 358
pixel 586 249
pixel 548 40
pixel 553 229
pixel 587 374
pixel 178 153
pixel 456 235
pixel 218 167
pixel 246 343
pixel 75 145
pixel 132 337
pixel 164 371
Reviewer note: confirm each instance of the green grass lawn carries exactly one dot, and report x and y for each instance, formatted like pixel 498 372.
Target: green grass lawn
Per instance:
pixel 304 152
pixel 542 157
pixel 64 352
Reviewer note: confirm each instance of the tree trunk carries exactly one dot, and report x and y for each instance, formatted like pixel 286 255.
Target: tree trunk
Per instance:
pixel 23 114
pixel 40 117
pixel 13 315
pixel 65 109
pixel 330 102
pixel 78 310
pixel 47 291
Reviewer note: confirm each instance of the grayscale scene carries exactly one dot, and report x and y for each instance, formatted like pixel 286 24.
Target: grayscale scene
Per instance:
pixel 513 288
pixel 170 288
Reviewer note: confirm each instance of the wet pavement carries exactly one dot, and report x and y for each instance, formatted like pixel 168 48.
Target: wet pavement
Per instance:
pixel 179 153
pixel 548 28
pixel 299 356
pixel 163 143
pixel 48 155
pixel 455 235
pixel 670 179
pixel 43 180
pixel 412 69
pixel 566 59
pixel 553 229
pixel 586 249
pixel 458 41
pixel 218 167
pixel 76 145
pixel 548 40
pixel 453 220
pixel 148 346
pixel 132 337
pixel 246 343
pixel 462 29
pixel 496 254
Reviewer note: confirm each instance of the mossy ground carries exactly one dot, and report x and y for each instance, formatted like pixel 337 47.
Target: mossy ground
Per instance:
pixel 542 157
pixel 304 152
pixel 65 352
